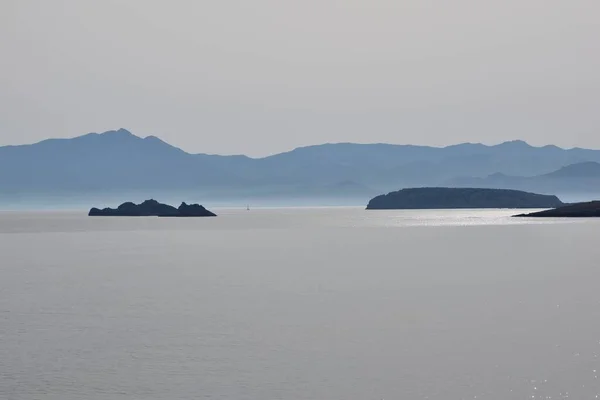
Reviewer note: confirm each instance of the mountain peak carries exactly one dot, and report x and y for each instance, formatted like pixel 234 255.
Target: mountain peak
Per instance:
pixel 515 143
pixel 121 132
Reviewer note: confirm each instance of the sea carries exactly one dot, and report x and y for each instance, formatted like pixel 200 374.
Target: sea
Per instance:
pixel 298 304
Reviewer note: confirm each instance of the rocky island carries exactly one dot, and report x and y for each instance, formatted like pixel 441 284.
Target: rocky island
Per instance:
pixel 452 198
pixel 152 208
pixel 578 210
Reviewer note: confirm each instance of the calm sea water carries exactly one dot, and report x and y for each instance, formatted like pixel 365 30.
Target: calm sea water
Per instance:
pixel 299 304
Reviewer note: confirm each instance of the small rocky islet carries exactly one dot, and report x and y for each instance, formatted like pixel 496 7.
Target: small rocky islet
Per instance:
pixel 152 208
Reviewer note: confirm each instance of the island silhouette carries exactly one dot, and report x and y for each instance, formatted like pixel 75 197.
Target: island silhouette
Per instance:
pixel 152 208
pixel 588 209
pixel 450 198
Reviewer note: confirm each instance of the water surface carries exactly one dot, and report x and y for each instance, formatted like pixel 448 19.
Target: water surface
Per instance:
pixel 337 303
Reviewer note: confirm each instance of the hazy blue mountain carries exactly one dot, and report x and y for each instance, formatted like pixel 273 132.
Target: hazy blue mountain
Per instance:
pixel 579 179
pixel 114 160
pixel 583 170
pixel 119 163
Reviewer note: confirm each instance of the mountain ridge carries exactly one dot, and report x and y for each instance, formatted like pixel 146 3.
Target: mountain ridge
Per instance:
pixel 120 162
pixel 126 133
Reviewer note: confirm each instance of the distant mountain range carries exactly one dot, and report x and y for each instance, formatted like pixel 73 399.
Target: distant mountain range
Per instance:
pixel 576 179
pixel 119 164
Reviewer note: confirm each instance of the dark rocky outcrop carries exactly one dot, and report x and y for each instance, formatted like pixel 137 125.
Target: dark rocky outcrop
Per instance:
pixel 578 210
pixel 152 208
pixel 192 210
pixel 449 198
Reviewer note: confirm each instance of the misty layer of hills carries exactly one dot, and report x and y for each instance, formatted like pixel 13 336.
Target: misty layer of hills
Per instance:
pixel 120 164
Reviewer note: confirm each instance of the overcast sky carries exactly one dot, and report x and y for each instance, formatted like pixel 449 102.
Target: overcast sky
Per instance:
pixel 264 76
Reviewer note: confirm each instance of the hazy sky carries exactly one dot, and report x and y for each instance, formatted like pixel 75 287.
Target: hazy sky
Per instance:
pixel 263 76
